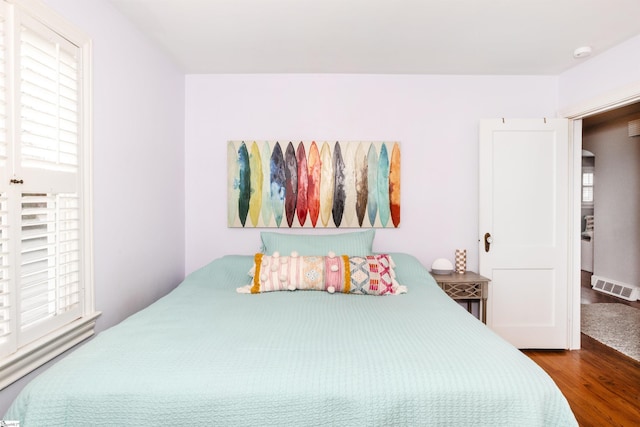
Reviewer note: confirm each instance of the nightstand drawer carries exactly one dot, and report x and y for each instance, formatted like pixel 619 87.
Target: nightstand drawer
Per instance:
pixel 463 290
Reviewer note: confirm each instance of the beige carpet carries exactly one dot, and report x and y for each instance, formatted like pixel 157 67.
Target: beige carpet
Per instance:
pixel 615 325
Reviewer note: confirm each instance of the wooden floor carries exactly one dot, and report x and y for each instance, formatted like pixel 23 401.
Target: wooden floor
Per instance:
pixel 601 384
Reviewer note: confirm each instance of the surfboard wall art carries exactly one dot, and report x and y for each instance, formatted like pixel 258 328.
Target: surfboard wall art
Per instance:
pixel 313 184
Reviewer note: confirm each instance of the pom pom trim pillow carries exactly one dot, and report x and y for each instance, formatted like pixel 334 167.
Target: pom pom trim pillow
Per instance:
pixel 356 244
pixel 368 275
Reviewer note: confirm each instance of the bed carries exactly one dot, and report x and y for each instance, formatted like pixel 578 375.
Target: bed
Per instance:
pixel 206 354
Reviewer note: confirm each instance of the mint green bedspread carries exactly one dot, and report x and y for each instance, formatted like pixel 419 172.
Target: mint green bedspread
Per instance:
pixel 205 355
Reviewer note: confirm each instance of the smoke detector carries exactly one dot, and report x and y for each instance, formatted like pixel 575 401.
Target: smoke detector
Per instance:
pixel 582 52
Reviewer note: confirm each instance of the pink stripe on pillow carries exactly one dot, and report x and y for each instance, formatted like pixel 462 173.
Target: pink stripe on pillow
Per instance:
pixel 333 274
pixel 384 269
pixel 374 275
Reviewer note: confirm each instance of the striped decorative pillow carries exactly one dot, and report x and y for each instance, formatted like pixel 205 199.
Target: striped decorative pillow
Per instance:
pixel 367 275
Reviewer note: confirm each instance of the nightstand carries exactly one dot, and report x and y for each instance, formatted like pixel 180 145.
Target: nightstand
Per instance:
pixel 468 286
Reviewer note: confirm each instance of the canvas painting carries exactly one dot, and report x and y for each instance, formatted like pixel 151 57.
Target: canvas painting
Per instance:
pixel 278 184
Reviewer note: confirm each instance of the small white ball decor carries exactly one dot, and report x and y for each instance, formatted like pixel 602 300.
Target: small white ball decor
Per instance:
pixel 334 268
pixel 442 266
pixel 331 289
pixel 294 254
pixel 291 287
pixel 276 254
pixel 331 254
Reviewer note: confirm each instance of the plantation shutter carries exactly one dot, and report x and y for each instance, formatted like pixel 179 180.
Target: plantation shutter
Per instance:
pixel 49 264
pixel 41 216
pixel 5 291
pixel 48 108
pixel 46 274
pixel 6 294
pixel 3 95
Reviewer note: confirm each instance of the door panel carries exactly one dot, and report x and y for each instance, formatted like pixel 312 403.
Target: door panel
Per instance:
pixel 524 206
pixel 512 285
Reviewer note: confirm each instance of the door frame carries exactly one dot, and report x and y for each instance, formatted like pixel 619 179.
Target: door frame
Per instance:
pixel 609 101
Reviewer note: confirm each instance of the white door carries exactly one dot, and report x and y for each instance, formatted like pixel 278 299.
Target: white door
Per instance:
pixel 524 227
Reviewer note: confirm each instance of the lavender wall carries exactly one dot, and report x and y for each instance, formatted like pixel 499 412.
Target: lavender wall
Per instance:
pixel 616 70
pixel 138 166
pixel 434 117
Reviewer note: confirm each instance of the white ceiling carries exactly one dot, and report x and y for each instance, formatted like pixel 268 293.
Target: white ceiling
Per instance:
pixel 382 36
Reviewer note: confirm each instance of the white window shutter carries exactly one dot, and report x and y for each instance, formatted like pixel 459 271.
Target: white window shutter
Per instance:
pixel 3 96
pixel 49 269
pixel 49 98
pixel 7 296
pixel 49 92
pixel 49 264
pixel 5 290
pixel 46 281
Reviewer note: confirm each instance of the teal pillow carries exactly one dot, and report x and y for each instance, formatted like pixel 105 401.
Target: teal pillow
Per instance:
pixel 352 244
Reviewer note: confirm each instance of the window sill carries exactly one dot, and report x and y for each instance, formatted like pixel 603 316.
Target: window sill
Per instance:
pixel 34 355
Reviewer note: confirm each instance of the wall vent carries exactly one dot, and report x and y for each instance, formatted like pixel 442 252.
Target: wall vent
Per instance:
pixel 617 289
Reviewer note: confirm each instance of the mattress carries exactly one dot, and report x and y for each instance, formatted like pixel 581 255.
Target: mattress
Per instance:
pixel 207 355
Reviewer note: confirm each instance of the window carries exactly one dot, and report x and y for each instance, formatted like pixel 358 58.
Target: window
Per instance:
pixel 46 278
pixel 587 186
